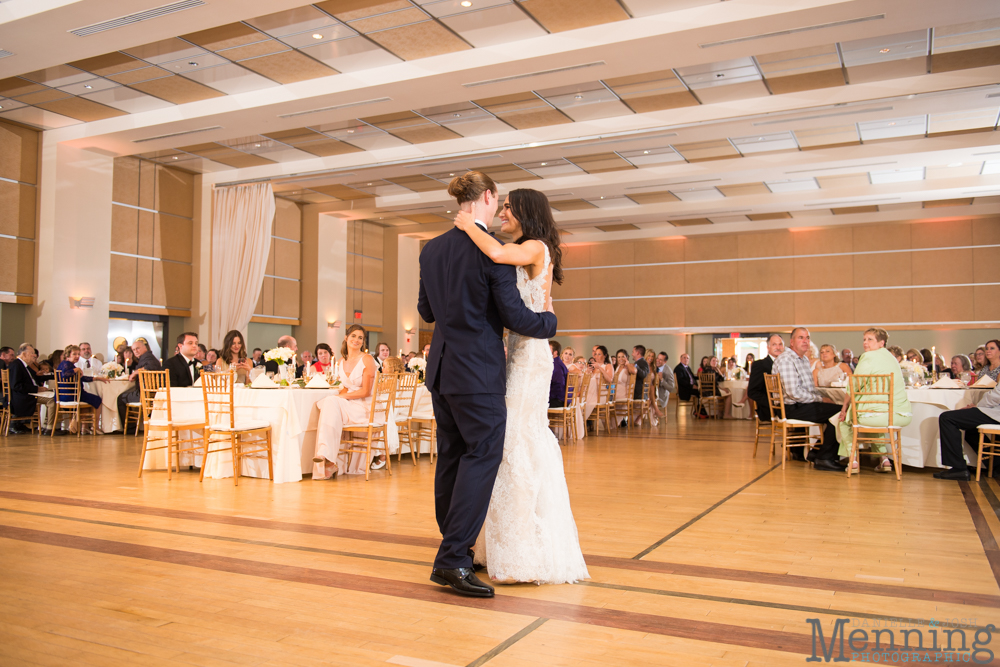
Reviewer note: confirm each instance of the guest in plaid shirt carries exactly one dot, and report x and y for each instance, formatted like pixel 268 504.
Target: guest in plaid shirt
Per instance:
pixel 802 401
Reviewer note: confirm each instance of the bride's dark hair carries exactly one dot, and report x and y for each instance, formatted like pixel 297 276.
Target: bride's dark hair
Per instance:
pixel 532 210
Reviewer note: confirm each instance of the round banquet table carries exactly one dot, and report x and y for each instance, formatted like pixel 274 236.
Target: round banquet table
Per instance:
pixel 109 393
pixel 738 390
pixel 920 440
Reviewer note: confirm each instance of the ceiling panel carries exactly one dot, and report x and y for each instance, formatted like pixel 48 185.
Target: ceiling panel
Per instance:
pixel 844 181
pixel 225 36
pixel 340 191
pixel 799 61
pixel 137 75
pixel 421 40
pixel 288 67
pixel 230 79
pixel 651 156
pixel 954 170
pixel 6 104
pixel 89 86
pixel 442 8
pixel 768 216
pixel 732 92
pixel 795 83
pixel 571 205
pixel 850 210
pixel 351 55
pixel 81 109
pixel 60 75
pixel 264 48
pixel 911 126
pixel 960 121
pixel 550 168
pixel 792 185
pixel 128 100
pixel 292 21
pixel 393 19
pixel 15 86
pixel 40 118
pixel 381 188
pixel 562 15
pixel 839 135
pixel 185 65
pixel 601 162
pixel 653 197
pixel 418 183
pixel 722 73
pixel 885 48
pixel 698 194
pixel 177 89
pixel 623 227
pixel 326 147
pixel 649 7
pixel 330 33
pixel 981 34
pixel 612 202
pixel 690 222
pixel 166 50
pixel 897 175
pixel 466 119
pixel 490 27
pixel 765 143
pixel 411 127
pixel 652 92
pixel 707 150
pixel 361 135
pixel 744 189
pixel 524 111
pixel 507 173
pixel 109 63
pixel 583 102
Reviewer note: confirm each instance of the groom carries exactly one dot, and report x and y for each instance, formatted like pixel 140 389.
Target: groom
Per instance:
pixel 471 300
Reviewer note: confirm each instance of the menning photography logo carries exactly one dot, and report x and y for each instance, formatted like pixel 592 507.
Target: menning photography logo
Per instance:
pixel 902 641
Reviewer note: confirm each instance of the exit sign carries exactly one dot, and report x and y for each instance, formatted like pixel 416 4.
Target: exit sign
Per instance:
pixel 735 334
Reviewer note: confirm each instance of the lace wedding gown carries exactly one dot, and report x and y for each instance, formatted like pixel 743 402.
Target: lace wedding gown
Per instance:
pixel 529 534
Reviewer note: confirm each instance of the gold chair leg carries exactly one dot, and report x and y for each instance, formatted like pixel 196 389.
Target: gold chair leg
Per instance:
pixel 234 444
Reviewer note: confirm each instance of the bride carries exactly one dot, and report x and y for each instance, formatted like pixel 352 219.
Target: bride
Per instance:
pixel 529 534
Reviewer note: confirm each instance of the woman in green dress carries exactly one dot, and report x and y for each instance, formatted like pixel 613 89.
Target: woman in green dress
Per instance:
pixel 876 360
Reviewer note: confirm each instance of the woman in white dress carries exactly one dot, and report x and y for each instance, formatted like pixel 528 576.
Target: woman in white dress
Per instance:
pixel 356 372
pixel 529 534
pixel 601 371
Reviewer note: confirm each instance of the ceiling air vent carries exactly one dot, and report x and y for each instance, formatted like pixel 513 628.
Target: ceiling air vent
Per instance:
pixel 4 54
pixel 528 75
pixel 335 107
pixel 176 134
pixel 138 17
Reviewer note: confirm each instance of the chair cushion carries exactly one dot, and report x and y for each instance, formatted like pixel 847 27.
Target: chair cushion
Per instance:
pixel 134 405
pixel 423 415
pixel 70 404
pixel 242 425
pixel 177 423
pixel 797 422
pixel 894 428
pixel 377 422
pixel 989 428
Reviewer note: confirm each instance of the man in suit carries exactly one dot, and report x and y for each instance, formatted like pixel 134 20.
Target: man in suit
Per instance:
pixel 7 355
pixel 667 384
pixel 23 384
pixel 184 366
pixel 145 360
pixel 89 365
pixel 847 357
pixel 687 383
pixel 756 389
pixel 291 344
pixel 471 299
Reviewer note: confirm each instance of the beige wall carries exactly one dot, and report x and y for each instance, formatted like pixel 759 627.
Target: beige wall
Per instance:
pixel 365 274
pixel 152 238
pixel 280 294
pixel 908 274
pixel 19 175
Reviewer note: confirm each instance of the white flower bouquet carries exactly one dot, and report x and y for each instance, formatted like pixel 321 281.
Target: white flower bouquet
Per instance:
pixel 283 355
pixel 417 364
pixel 112 369
pixel 913 372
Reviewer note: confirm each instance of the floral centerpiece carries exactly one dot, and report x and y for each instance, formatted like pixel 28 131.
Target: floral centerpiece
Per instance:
pixel 912 372
pixel 418 365
pixel 285 358
pixel 112 369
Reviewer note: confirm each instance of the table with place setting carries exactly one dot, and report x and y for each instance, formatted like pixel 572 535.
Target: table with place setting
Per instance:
pixel 109 393
pixel 920 440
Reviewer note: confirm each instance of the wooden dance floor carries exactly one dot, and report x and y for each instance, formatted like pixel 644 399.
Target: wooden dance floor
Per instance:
pixel 698 553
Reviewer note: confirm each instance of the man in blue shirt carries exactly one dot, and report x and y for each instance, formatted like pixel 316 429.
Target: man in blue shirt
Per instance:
pixel 557 390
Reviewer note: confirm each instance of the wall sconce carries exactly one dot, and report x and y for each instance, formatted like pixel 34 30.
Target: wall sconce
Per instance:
pixel 81 302
pixel 409 332
pixel 333 325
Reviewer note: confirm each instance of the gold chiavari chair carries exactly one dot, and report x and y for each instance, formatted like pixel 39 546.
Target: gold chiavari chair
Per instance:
pixel 623 404
pixel 605 403
pixel 989 448
pixel 760 427
pixel 708 399
pixel 779 422
pixel 133 412
pixel 67 403
pixel 161 427
pixel 639 407
pixel 402 408
pixel 565 417
pixel 246 438
pixel 871 394
pixel 374 434
pixel 8 416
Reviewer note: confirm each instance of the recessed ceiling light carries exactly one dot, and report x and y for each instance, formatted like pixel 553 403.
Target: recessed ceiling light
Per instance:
pixel 451 174
pixel 317 36
pixel 458 115
pixel 193 64
pixel 175 157
pixel 891 124
pixel 256 145
pixel 543 164
pixel 350 131
pixel 466 3
pixel 578 97
pixel 602 197
pixel 645 152
pixel 447 211
pixel 883 50
pixel 88 87
pixel 369 184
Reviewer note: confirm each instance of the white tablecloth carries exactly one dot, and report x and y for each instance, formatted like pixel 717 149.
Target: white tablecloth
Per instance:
pixel 920 440
pixel 292 414
pixel 738 390
pixel 109 393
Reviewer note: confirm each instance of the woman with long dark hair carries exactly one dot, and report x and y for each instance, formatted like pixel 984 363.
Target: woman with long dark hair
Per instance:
pixel 530 488
pixel 233 356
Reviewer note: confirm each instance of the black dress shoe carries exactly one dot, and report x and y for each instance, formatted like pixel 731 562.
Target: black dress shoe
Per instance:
pixel 798 456
pixel 831 466
pixel 476 567
pixel 953 473
pixel 46 432
pixel 463 581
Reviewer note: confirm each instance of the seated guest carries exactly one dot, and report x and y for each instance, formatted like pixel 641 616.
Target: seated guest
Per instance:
pixel 875 360
pixel 184 367
pixel 307 358
pixel 667 383
pixel 356 372
pixel 290 343
pixel 968 419
pixel 639 367
pixel 915 356
pixel 201 354
pixel 126 359
pixel 145 361
pixel 258 357
pixel 687 381
pixel 601 371
pixel 568 356
pixel 926 354
pixel 45 367
pixel 55 358
pixel 830 367
pixel 749 363
pixel 654 379
pixel 960 364
pixel 802 401
pixel 88 363
pixel 7 355
pixel 234 357
pixel 991 368
pixel 896 351
pixel 67 368
pixel 23 384
pixel 979 359
pixel 382 352
pixel 621 377
pixel 703 366
pixel 847 357
pixel 426 351
pixel 324 358
pixel 557 386
pixel 392 365
pixel 756 389
pixel 713 367
pixel 211 361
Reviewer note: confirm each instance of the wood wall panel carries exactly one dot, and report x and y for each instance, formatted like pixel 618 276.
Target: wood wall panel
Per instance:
pixel 371 274
pixel 171 285
pixel 144 281
pixel 123 279
pixel 286 298
pixel 19 159
pixel 25 267
pixel 174 192
pixel 8 270
pixel 124 234
pixel 268 295
pixel 147 184
pixel 835 276
pixel 287 220
pixel 269 264
pixel 287 259
pixel 145 237
pixel 125 181
pixel 172 238
pixel 371 307
pixel 371 240
pixel 17 209
pixel 19 153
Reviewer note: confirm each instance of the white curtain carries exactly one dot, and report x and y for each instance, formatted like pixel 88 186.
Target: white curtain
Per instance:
pixel 242 218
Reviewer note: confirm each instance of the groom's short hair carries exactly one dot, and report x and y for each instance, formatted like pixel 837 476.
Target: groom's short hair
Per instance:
pixel 556 346
pixel 641 348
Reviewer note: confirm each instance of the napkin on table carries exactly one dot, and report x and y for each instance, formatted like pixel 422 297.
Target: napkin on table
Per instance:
pixel 318 381
pixel 947 383
pixel 263 382
pixel 985 381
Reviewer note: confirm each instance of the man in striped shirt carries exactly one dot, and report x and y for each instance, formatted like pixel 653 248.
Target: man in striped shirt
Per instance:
pixel 802 401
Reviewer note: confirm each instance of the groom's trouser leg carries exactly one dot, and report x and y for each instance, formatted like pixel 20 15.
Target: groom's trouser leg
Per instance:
pixel 470 447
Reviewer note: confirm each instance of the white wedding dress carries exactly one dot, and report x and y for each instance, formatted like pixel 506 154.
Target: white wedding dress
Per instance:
pixel 529 534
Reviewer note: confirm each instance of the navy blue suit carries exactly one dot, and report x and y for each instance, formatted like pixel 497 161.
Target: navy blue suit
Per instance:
pixel 470 299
